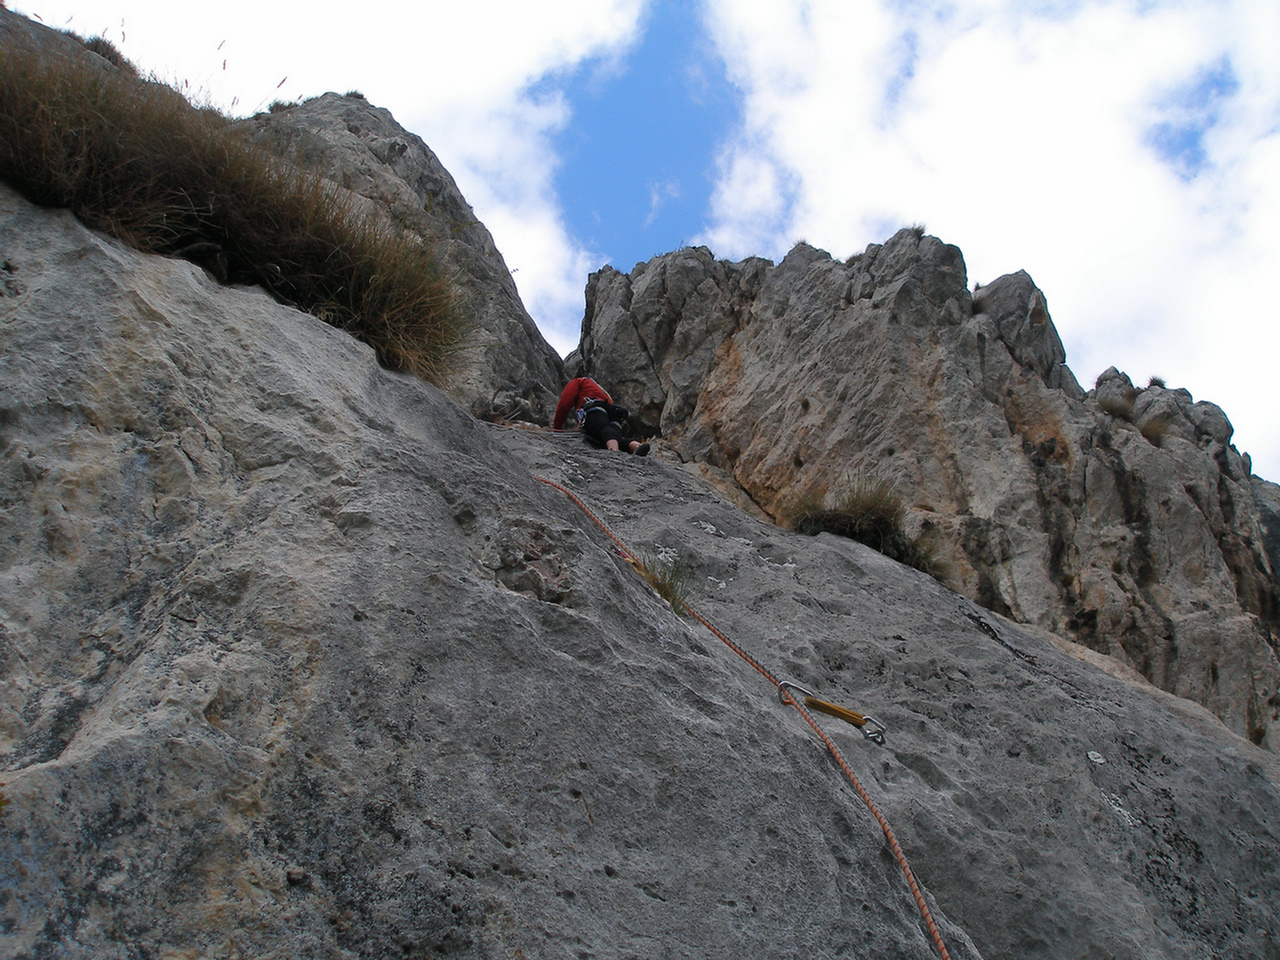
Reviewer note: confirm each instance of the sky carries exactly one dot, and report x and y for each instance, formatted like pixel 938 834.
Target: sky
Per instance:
pixel 1125 153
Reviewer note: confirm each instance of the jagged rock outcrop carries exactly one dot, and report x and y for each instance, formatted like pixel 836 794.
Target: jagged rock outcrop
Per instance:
pixel 510 372
pixel 1122 518
pixel 299 659
pixel 654 336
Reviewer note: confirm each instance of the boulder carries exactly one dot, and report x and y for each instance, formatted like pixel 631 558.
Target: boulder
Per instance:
pixel 1021 316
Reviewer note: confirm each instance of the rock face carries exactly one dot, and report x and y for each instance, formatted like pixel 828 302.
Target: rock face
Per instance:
pixel 511 372
pixel 299 659
pixel 1122 518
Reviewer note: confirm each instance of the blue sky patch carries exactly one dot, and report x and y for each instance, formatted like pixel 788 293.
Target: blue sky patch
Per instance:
pixel 1188 112
pixel 639 153
pixel 906 54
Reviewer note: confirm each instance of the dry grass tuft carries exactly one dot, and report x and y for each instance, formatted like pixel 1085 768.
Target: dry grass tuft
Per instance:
pixel 866 511
pixel 666 574
pixel 135 159
pixel 870 512
pixel 107 51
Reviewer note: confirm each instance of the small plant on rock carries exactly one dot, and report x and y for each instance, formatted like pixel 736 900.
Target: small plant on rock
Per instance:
pixel 870 512
pixel 866 511
pixel 1156 382
pixel 1119 407
pixel 665 572
pixel 1116 398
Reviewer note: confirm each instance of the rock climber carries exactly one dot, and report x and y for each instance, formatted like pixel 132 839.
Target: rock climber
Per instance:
pixel 600 418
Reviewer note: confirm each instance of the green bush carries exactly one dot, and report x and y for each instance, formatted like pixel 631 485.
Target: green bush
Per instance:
pixel 135 159
pixel 871 513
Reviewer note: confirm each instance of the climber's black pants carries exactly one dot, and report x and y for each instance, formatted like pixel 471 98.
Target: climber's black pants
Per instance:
pixel 600 428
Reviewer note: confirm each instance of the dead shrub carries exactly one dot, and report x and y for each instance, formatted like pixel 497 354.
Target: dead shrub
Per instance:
pixel 108 51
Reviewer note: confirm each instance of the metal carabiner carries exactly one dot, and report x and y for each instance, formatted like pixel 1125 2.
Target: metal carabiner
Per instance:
pixel 876 736
pixel 784 691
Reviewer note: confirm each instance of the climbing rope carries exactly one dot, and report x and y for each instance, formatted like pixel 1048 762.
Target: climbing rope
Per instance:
pixel 803 701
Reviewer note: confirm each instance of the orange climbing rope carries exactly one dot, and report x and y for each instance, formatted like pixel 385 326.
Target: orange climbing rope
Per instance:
pixel 790 693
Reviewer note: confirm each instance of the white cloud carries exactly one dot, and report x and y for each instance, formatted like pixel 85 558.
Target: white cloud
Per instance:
pixel 659 194
pixel 1027 140
pixel 466 55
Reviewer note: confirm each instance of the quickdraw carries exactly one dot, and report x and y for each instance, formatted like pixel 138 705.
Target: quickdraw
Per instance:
pixel 872 729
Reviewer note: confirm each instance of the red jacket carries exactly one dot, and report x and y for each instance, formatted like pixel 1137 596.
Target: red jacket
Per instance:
pixel 577 392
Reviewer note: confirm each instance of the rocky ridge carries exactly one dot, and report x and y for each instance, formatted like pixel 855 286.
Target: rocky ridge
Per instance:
pixel 1120 517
